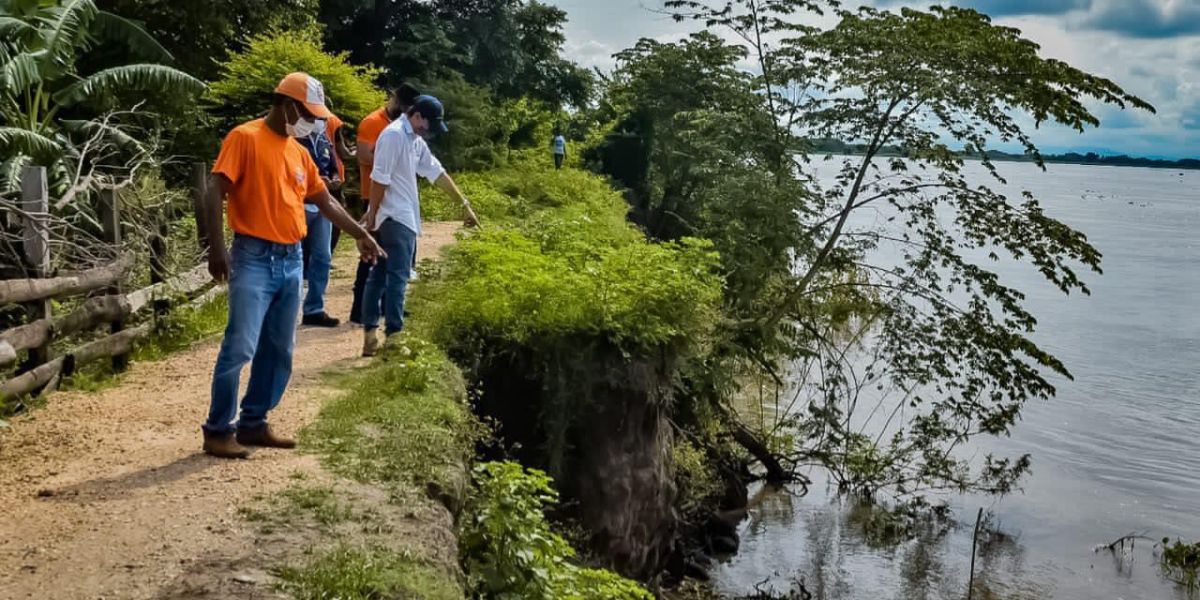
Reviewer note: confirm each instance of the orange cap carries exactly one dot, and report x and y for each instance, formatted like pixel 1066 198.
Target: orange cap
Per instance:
pixel 305 89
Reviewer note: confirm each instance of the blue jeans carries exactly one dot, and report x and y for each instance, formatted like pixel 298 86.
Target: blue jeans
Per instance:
pixel 264 296
pixel 391 274
pixel 318 256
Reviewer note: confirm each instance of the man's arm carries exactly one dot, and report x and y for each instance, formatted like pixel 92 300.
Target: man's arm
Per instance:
pixel 447 185
pixel 342 146
pixel 332 209
pixel 366 154
pixel 214 222
pixel 373 201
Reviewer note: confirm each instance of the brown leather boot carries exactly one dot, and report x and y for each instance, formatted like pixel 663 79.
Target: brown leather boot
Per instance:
pixel 223 445
pixel 370 343
pixel 264 437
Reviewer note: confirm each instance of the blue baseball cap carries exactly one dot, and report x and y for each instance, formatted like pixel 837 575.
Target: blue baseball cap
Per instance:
pixel 431 110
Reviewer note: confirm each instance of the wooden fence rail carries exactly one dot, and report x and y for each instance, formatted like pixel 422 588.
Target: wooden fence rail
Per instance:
pixel 39 372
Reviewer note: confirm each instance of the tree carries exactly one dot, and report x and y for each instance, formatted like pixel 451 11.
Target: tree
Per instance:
pixel 81 117
pixel 938 326
pixel 201 34
pixel 514 47
pixel 249 76
pixel 47 103
pixel 511 46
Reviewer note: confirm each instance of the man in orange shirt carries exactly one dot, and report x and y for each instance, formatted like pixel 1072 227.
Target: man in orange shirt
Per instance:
pixel 267 177
pixel 369 129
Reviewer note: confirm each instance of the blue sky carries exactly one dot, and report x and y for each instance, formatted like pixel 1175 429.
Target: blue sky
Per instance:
pixel 1151 47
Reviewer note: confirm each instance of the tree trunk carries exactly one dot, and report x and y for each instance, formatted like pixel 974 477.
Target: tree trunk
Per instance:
pixel 776 474
pixel 25 290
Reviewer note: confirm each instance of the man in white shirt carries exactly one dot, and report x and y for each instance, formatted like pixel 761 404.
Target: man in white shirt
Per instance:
pixel 401 154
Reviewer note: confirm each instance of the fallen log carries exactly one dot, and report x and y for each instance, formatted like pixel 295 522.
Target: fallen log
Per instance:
pixel 113 345
pixel 93 313
pixel 13 291
pixel 8 354
pixel 185 283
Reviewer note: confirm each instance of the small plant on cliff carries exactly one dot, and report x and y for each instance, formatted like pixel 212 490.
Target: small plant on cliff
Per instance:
pixel 1180 563
pixel 510 551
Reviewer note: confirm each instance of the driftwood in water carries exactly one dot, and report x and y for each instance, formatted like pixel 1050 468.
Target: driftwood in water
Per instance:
pixel 113 345
pixel 13 291
pixel 776 473
pixel 93 313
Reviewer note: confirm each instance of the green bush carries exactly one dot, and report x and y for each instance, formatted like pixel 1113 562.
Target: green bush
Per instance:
pixel 248 77
pixel 511 552
pixel 559 260
pixel 503 285
pixel 484 130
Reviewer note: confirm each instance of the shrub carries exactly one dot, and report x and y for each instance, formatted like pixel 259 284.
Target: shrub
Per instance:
pixel 558 260
pixel 248 77
pixel 511 552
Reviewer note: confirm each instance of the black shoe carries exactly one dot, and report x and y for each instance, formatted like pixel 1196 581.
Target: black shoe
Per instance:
pixel 320 319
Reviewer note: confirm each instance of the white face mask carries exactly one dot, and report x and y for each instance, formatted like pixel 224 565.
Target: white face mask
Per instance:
pixel 302 128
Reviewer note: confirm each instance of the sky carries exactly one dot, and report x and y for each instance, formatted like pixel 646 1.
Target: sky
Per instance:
pixel 1150 47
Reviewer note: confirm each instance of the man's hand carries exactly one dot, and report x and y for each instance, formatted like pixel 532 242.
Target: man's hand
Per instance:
pixel 334 183
pixel 469 218
pixel 369 249
pixel 368 220
pixel 218 264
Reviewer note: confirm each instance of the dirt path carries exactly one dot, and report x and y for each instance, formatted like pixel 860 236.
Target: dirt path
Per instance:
pixel 106 495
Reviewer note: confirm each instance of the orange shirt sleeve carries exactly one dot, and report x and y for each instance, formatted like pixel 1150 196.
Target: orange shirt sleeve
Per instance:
pixel 370 128
pixel 231 161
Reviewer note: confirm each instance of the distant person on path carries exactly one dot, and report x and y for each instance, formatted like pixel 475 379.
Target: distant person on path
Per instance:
pixel 318 244
pixel 401 155
pixel 267 177
pixel 560 149
pixel 369 129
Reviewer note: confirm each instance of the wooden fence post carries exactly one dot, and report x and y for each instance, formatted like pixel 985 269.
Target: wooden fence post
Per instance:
pixel 158 263
pixel 199 198
pixel 110 220
pixel 35 202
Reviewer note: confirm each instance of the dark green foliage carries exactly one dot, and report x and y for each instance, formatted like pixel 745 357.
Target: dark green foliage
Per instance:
pixel 249 76
pixel 510 551
pixel 52 98
pixel 513 47
pixel 1181 563
pixel 569 267
pixel 200 34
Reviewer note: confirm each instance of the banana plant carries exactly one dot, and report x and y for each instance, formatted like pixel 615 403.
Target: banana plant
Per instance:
pixel 48 103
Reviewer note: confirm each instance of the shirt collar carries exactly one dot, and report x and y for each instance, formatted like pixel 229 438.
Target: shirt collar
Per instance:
pixel 405 125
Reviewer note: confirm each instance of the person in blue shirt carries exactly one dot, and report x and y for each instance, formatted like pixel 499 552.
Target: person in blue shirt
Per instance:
pixel 318 244
pixel 559 144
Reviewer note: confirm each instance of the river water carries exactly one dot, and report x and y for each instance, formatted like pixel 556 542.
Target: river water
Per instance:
pixel 1116 452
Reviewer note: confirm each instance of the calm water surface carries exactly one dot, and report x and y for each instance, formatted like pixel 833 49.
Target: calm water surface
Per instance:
pixel 1118 451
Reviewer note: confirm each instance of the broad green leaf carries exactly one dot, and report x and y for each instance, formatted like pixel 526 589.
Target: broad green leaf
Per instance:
pixel 68 29
pixel 119 29
pixel 157 79
pixel 15 141
pixel 19 73
pixel 14 29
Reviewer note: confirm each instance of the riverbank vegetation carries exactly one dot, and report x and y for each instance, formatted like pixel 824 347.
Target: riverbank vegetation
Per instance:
pixel 695 303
